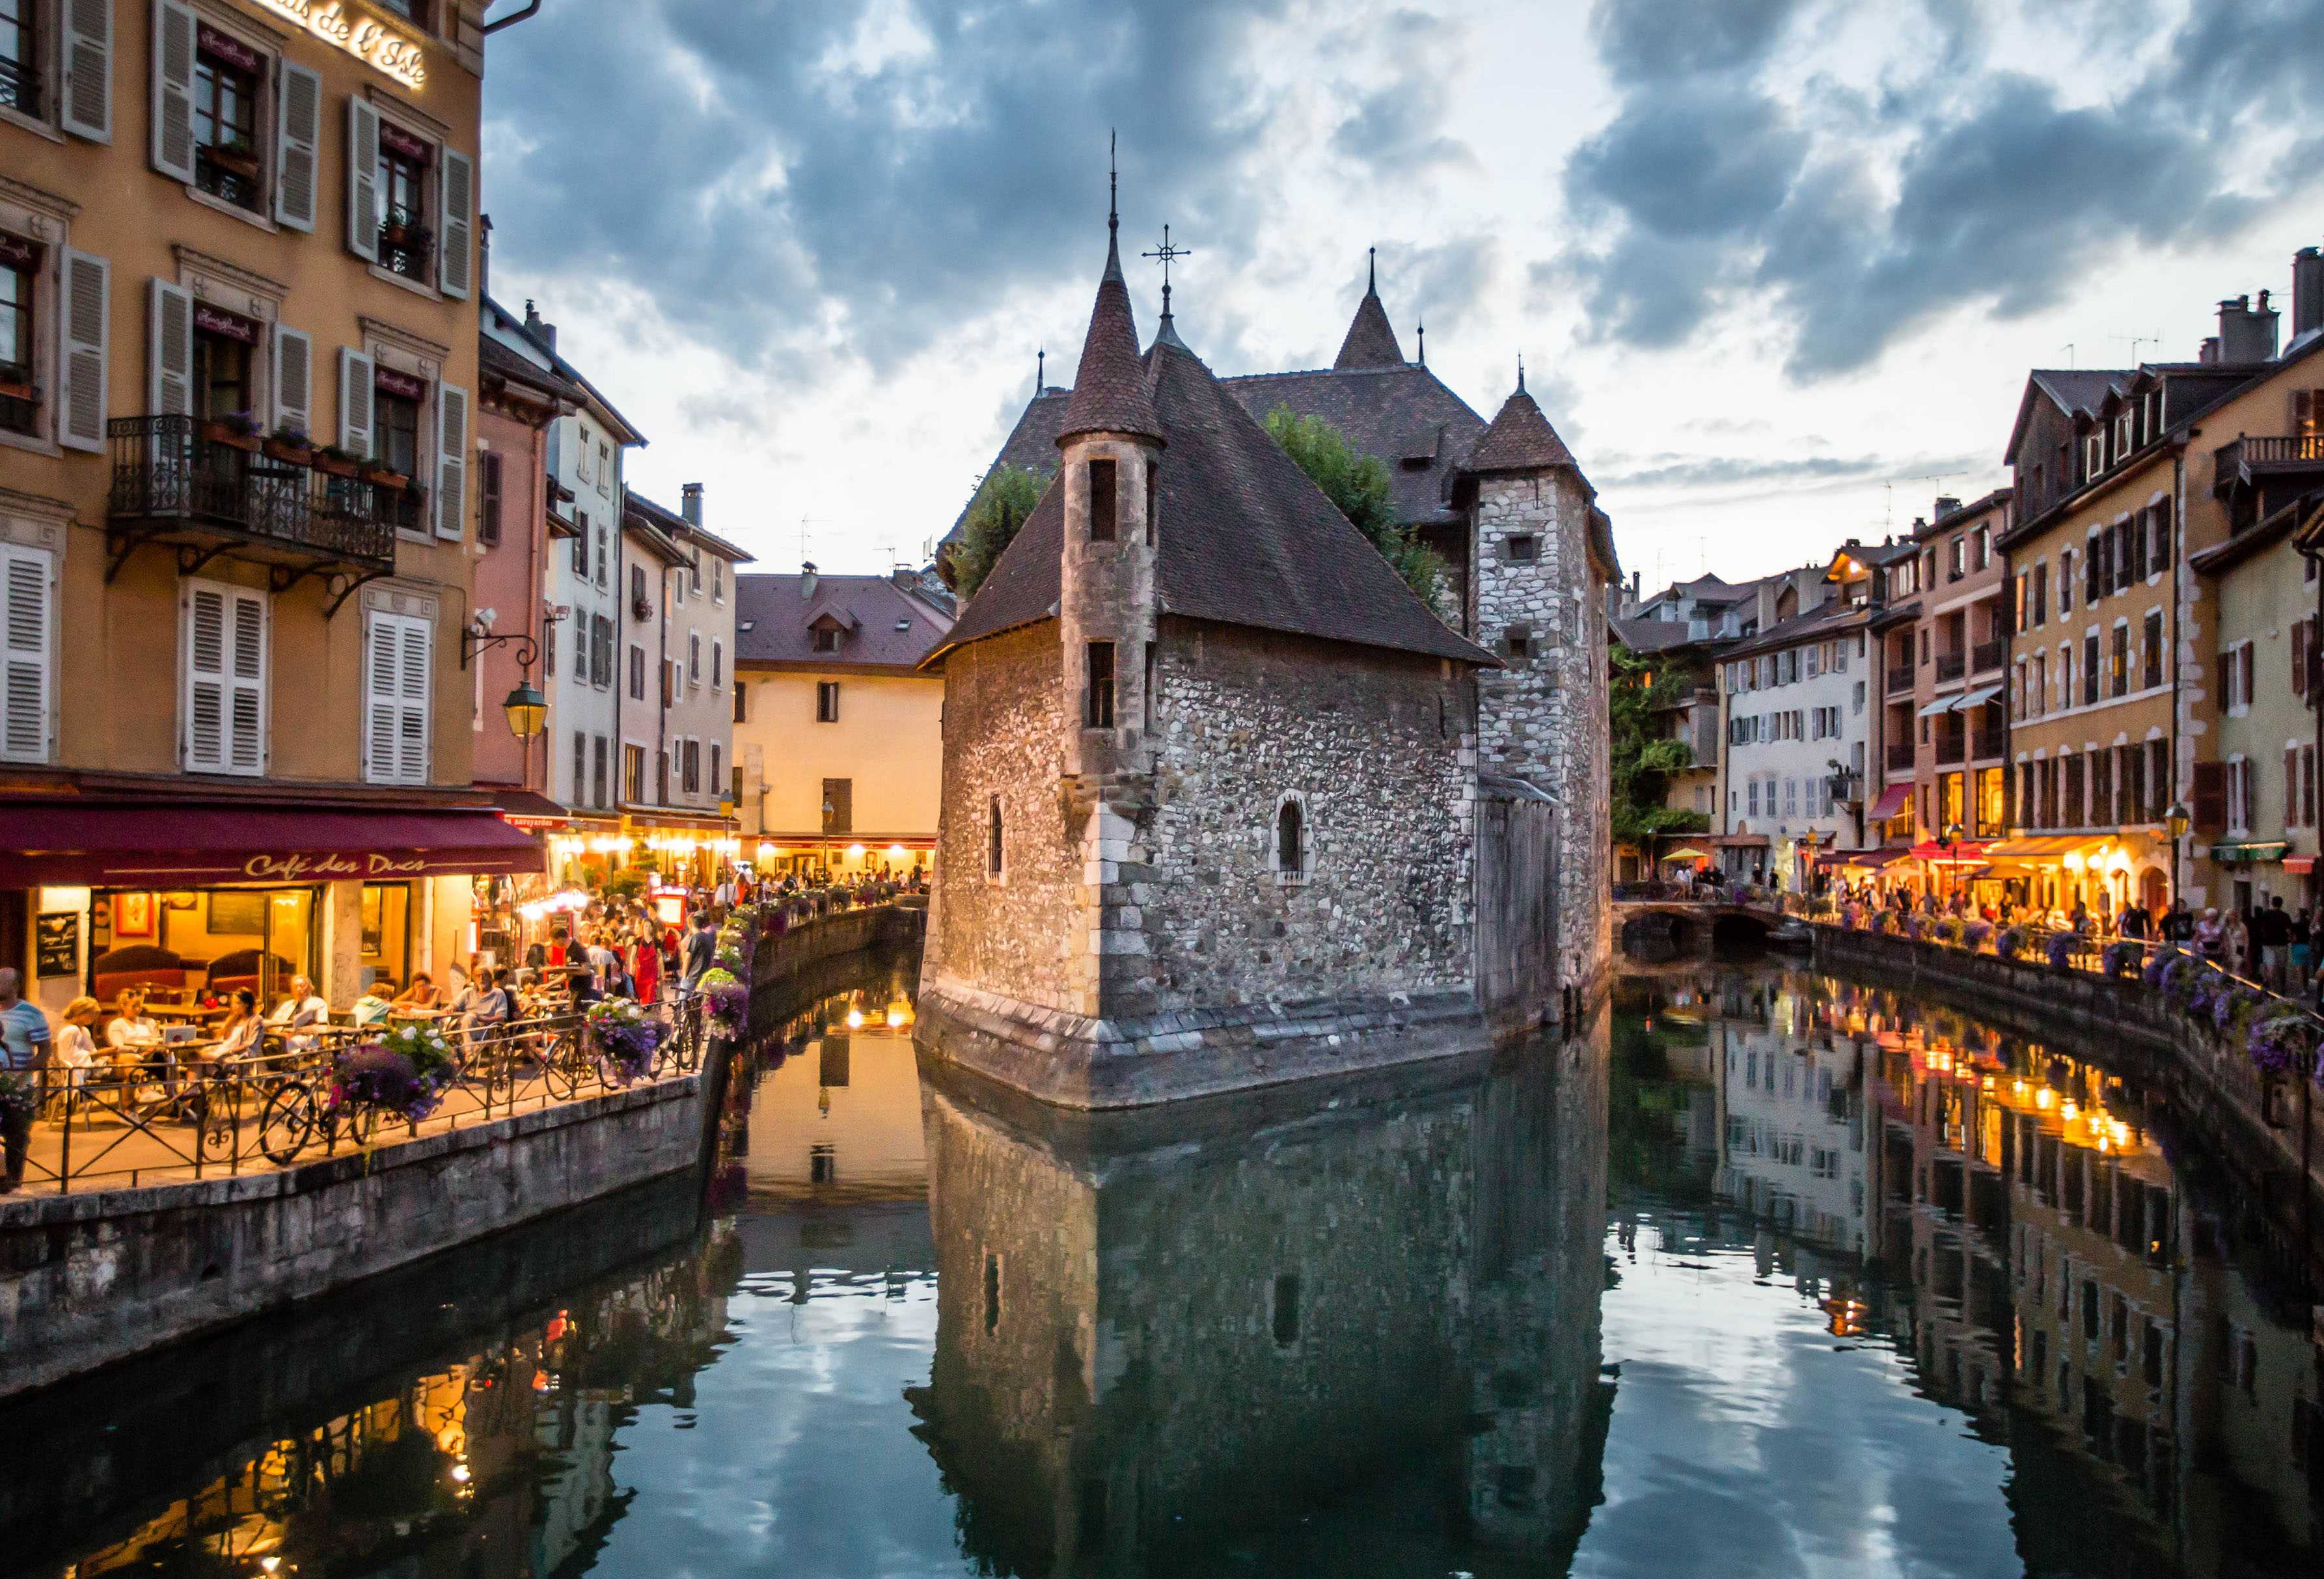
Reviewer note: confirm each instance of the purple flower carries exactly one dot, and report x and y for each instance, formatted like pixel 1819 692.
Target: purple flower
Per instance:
pixel 2061 950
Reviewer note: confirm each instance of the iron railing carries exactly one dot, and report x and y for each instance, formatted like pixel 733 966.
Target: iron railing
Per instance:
pixel 1950 665
pixel 404 243
pixel 1900 677
pixel 1988 655
pixel 20 87
pixel 164 469
pixel 174 1113
pixel 1986 743
pixel 1951 748
pixel 1900 756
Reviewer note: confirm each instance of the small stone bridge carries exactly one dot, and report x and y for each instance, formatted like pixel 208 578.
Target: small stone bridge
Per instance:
pixel 1657 919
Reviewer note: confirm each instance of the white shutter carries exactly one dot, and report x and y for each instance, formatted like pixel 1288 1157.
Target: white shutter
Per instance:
pixel 355 375
pixel 224 701
pixel 455 235
pixel 298 143
pixel 380 645
pixel 399 665
pixel 169 351
pixel 27 617
pixel 87 38
pixel 173 89
pixel 294 381
pixel 363 180
pixel 88 301
pixel 451 459
pixel 413 665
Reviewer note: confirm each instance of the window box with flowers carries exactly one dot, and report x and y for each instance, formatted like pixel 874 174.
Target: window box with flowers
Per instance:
pixel 289 444
pixel 235 158
pixel 384 477
pixel 237 431
pixel 336 461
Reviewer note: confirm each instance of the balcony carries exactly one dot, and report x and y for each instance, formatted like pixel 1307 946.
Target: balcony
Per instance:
pixel 1951 665
pixel 1900 678
pixel 178 481
pixel 1900 756
pixel 1951 748
pixel 1987 657
pixel 2243 463
pixel 1985 745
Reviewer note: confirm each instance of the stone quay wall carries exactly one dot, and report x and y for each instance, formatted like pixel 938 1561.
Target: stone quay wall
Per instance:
pixel 804 956
pixel 2208 1078
pixel 88 1280
pixel 1542 717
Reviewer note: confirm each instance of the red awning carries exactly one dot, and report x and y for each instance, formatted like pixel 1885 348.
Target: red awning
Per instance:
pixel 187 847
pixel 1961 852
pixel 1892 801
pixel 2300 863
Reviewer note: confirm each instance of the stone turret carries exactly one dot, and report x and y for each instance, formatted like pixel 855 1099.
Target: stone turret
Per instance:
pixel 1111 456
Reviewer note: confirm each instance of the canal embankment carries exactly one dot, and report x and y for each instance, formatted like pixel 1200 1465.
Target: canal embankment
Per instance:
pixel 2269 1130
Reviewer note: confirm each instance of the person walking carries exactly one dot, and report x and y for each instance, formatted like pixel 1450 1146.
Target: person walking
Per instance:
pixel 24 1054
pixel 2271 934
pixel 645 966
pixel 701 950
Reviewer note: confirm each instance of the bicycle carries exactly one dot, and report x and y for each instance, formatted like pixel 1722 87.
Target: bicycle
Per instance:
pixel 304 1105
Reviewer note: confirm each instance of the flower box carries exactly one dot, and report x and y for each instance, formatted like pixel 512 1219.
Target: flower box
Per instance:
pixel 234 160
pixel 336 465
pixel 298 452
pixel 381 477
pixel 16 384
pixel 230 434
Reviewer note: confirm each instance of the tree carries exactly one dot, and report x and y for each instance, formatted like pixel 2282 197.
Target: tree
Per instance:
pixel 1358 485
pixel 1642 761
pixel 1003 500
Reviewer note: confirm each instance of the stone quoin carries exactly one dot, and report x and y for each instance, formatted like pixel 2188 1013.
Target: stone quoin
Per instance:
pixel 1225 804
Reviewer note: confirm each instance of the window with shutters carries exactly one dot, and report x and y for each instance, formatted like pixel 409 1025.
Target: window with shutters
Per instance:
pixel 637 673
pixel 407 231
pixel 580 766
pixel 601 651
pixel 222 696
pixel 634 774
pixel 2090 672
pixel 694 768
pixel 581 544
pixel 2118 660
pixel 488 494
pixel 23 83
pixel 717 776
pixel 395 441
pixel 717 664
pixel 222 382
pixel 28 621
pixel 599 750
pixel 20 374
pixel 227 75
pixel 2150 645
pixel 399 657
pixel 741 710
pixel 694 658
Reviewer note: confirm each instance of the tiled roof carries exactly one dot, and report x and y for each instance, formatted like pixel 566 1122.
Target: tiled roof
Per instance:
pixel 1520 439
pixel 1398 414
pixel 1247 538
pixel 501 361
pixel 681 531
pixel 772 613
pixel 1647 636
pixel 1370 342
pixel 1110 386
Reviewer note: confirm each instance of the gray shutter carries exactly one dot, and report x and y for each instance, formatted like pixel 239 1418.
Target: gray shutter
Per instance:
pixel 456 234
pixel 451 459
pixel 173 89
pixel 169 351
pixel 246 684
pixel 363 180
pixel 27 621
pixel 298 144
pixel 380 652
pixel 294 381
pixel 88 300
pixel 355 375
pixel 414 655
pixel 204 703
pixel 87 40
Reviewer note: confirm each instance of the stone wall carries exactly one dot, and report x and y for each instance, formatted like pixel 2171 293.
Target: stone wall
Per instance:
pixel 1543 717
pixel 1004 739
pixel 87 1280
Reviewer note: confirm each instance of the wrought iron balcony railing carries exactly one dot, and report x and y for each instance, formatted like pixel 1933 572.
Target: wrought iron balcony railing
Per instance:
pixel 172 482
pixel 1950 665
pixel 1986 656
pixel 1900 756
pixel 2241 461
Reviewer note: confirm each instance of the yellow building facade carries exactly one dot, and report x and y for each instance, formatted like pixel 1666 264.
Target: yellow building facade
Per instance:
pixel 239 277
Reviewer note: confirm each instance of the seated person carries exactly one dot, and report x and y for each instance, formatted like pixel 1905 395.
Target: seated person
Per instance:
pixel 133 1036
pixel 76 1049
pixel 422 994
pixel 300 1011
pixel 242 1033
pixel 488 1002
pixel 373 1007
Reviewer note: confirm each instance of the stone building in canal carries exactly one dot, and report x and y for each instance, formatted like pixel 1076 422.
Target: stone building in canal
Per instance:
pixel 1224 800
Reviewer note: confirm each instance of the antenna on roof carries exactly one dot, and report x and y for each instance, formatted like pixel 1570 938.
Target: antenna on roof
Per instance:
pixel 2069 349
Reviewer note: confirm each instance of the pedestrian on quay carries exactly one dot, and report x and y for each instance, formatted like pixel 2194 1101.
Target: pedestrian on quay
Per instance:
pixel 645 966
pixel 2299 951
pixel 23 1055
pixel 2271 935
pixel 701 950
pixel 2177 922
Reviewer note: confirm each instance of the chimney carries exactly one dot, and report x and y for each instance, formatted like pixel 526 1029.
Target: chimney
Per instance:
pixel 2210 351
pixel 807 582
pixel 1946 505
pixel 539 328
pixel 689 503
pixel 2307 291
pixel 2247 333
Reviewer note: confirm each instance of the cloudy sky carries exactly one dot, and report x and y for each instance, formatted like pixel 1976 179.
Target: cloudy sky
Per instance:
pixel 1777 267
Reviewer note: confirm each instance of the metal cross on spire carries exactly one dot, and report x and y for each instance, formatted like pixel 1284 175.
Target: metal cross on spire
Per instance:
pixel 1164 255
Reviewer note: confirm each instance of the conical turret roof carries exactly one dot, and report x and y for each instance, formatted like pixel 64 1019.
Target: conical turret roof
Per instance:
pixel 1110 393
pixel 1370 342
pixel 1520 439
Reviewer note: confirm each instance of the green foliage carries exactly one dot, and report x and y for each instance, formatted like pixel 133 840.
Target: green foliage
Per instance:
pixel 1003 500
pixel 629 883
pixel 1358 485
pixel 1642 763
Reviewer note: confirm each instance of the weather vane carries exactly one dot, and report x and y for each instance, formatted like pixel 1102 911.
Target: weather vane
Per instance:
pixel 1164 255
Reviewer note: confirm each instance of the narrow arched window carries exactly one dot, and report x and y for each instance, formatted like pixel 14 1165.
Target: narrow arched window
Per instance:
pixel 992 839
pixel 1290 840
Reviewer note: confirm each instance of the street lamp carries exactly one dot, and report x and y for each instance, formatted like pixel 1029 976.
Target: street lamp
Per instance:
pixel 527 709
pixel 2177 820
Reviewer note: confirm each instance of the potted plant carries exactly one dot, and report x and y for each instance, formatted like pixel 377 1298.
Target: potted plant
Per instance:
pixel 290 443
pixel 235 156
pixel 379 474
pixel 237 430
pixel 338 461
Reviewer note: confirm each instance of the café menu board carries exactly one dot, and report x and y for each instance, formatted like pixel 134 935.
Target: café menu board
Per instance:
pixel 56 943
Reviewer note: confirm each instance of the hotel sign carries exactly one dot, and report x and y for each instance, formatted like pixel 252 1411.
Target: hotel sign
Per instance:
pixel 373 42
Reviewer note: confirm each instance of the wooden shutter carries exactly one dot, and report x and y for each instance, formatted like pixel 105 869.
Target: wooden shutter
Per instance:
pixel 225 702
pixel 399 661
pixel 87 100
pixel 2210 804
pixel 294 381
pixel 456 234
pixel 451 459
pixel 87 311
pixel 28 601
pixel 173 89
pixel 2299 657
pixel 488 498
pixel 355 375
pixel 169 351
pixel 298 146
pixel 363 179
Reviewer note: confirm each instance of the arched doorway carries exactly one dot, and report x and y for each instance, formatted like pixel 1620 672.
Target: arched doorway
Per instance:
pixel 2153 888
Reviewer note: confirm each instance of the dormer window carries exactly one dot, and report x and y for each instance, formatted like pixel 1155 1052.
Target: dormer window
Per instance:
pixel 827 638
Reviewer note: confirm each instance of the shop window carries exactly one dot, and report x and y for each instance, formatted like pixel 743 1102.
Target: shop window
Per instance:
pixel 226 76
pixel 386 919
pixel 406 238
pixel 20 264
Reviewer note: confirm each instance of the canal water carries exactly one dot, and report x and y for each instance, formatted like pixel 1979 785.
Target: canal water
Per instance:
pixel 1767 1275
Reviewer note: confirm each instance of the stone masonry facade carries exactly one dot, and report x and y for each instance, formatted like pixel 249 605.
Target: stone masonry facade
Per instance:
pixel 1543 716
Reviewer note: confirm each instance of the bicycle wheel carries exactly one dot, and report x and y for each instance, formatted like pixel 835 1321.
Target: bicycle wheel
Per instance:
pixel 287 1123
pixel 561 1065
pixel 356 1121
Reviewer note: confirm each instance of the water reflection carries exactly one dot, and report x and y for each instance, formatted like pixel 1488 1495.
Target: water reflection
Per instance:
pixel 1769 1273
